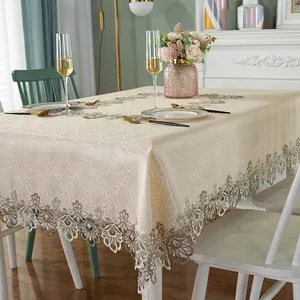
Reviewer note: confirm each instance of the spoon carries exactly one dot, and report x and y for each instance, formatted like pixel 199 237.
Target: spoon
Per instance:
pixel 42 113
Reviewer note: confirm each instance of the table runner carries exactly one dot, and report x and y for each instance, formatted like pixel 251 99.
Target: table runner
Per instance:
pixel 150 188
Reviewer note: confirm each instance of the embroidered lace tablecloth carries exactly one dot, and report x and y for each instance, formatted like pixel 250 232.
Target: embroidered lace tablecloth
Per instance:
pixel 148 188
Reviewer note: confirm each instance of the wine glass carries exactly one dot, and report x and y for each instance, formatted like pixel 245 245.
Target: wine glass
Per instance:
pixel 64 62
pixel 153 57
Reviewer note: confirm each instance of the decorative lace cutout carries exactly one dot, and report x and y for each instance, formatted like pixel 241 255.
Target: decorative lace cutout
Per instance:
pixel 99 115
pixel 207 99
pixel 204 99
pixel 162 245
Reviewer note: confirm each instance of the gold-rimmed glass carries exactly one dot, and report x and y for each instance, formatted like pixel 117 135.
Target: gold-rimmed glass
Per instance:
pixel 64 62
pixel 153 57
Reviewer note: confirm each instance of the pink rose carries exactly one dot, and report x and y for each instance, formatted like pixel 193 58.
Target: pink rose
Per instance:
pixel 177 28
pixel 179 45
pixel 165 54
pixel 193 53
pixel 173 36
pixel 170 53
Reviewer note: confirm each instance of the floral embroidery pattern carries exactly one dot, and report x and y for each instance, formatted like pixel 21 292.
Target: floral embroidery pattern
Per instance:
pixel 162 245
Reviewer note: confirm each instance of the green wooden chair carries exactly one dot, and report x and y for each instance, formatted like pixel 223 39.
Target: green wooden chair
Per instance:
pixel 41 85
pixel 38 86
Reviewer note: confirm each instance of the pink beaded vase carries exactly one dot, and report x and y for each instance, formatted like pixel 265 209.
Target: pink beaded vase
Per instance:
pixel 181 81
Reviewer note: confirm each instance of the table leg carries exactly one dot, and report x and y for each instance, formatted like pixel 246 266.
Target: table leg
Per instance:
pixel 12 253
pixel 154 292
pixel 3 282
pixel 250 203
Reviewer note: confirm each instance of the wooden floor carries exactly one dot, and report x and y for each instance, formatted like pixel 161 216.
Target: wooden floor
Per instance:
pixel 48 277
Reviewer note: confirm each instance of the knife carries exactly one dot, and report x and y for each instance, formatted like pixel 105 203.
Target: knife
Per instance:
pixel 208 110
pixel 168 123
pixel 17 113
pixel 216 111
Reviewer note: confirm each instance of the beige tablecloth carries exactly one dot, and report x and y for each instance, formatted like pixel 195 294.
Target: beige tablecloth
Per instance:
pixel 148 187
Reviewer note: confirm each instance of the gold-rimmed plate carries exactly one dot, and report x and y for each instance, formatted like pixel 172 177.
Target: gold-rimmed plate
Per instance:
pixel 175 114
pixel 50 106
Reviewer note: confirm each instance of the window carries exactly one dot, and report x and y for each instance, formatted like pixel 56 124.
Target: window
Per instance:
pixel 12 52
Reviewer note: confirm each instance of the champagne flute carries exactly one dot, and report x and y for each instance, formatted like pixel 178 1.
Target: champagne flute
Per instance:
pixel 64 62
pixel 153 57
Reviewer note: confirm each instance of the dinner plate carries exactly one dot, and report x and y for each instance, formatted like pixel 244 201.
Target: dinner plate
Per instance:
pixel 49 106
pixel 175 114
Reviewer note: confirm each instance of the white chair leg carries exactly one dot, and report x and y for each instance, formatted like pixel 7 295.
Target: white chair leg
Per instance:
pixel 3 282
pixel 154 292
pixel 200 284
pixel 256 288
pixel 241 287
pixel 69 253
pixel 296 291
pixel 12 252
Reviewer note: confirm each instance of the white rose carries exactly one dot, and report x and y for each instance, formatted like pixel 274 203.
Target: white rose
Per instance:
pixel 193 53
pixel 197 35
pixel 197 43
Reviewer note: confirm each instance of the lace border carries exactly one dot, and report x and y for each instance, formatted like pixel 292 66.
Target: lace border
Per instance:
pixel 161 245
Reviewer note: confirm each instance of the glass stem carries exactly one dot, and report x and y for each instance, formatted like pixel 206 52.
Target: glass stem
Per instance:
pixel 155 89
pixel 66 96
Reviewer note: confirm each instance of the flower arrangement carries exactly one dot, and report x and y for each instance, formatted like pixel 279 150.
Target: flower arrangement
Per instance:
pixel 185 46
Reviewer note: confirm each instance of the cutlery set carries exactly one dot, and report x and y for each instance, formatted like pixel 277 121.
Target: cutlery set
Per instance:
pixel 132 121
pixel 44 113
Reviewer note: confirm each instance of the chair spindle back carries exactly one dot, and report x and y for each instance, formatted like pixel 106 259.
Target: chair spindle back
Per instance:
pixel 284 218
pixel 41 85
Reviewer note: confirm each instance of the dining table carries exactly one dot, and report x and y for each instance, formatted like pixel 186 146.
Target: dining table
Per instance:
pixel 147 188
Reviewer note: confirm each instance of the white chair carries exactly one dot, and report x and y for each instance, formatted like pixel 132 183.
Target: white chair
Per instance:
pixel 263 244
pixel 10 234
pixel 273 198
pixel 11 243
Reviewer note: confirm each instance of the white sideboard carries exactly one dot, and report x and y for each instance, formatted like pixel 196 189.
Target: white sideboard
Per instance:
pixel 265 59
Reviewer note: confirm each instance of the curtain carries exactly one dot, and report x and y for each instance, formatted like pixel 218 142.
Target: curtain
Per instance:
pixel 12 52
pixel 40 27
pixel 75 17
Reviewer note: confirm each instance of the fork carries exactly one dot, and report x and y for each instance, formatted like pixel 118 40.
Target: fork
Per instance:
pixel 90 103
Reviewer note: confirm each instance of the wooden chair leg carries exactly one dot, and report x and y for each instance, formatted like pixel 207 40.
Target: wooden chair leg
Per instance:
pixel 241 287
pixel 30 244
pixel 94 261
pixel 12 253
pixel 200 284
pixel 296 291
pixel 69 253
pixel 256 288
pixel 3 281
